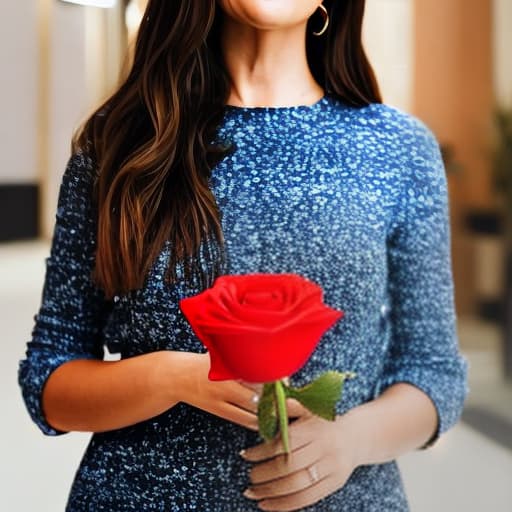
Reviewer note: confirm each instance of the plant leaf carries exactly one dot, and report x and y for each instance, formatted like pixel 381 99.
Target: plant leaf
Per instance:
pixel 267 415
pixel 321 395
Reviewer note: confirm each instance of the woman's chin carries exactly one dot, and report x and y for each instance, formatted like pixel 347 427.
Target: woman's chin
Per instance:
pixel 269 14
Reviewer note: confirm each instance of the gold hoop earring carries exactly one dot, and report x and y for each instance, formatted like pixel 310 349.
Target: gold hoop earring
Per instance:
pixel 326 20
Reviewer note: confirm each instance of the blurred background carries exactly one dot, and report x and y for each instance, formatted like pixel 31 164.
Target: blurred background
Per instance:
pixel 448 62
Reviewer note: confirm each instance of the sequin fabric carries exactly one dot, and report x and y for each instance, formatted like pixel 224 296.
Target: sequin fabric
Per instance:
pixel 354 199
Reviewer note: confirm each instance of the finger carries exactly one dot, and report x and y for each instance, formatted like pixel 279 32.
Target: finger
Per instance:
pixel 290 484
pixel 242 397
pixel 257 388
pixel 298 438
pixel 301 499
pixel 237 415
pixel 296 409
pixel 284 465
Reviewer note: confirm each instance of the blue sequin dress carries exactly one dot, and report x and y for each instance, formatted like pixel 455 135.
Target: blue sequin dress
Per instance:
pixel 354 199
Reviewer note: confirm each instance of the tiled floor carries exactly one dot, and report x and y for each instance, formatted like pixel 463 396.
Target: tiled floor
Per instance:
pixel 464 472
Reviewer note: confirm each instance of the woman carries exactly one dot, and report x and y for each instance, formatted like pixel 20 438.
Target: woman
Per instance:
pixel 249 136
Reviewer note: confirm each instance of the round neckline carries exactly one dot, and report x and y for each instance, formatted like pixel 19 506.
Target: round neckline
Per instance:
pixel 276 108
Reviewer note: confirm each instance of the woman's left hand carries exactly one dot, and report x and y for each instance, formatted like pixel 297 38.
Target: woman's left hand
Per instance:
pixel 322 457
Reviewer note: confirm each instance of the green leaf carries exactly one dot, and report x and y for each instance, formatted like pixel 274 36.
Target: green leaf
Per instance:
pixel 321 395
pixel 267 415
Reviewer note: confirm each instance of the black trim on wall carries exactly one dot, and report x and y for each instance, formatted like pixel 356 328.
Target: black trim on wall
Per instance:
pixel 19 207
pixel 490 310
pixel 484 222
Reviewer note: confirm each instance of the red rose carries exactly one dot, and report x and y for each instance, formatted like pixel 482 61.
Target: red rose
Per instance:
pixel 259 327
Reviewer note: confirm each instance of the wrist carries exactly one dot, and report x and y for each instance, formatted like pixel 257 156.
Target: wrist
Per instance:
pixel 354 434
pixel 175 375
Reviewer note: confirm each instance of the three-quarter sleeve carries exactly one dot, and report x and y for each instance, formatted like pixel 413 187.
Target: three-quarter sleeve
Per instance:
pixel 68 323
pixel 424 348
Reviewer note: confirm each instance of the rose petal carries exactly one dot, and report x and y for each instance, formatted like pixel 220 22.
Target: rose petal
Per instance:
pixel 218 371
pixel 259 327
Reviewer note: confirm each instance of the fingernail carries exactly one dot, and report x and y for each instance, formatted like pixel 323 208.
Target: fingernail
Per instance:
pixel 242 453
pixel 249 494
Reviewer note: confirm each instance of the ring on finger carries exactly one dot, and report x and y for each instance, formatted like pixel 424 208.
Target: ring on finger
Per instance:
pixel 255 398
pixel 313 474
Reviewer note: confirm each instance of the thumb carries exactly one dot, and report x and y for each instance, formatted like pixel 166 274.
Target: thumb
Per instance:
pixel 296 409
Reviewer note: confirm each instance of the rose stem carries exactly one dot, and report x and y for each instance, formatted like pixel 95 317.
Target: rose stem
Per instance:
pixel 282 413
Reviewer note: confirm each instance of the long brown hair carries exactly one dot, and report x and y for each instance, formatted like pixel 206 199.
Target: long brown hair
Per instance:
pixel 153 140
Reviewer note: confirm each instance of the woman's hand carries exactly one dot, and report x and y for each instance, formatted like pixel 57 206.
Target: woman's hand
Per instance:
pixel 322 459
pixel 235 401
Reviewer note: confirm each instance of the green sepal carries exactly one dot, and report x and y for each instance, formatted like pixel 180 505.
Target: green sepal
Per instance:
pixel 321 395
pixel 267 414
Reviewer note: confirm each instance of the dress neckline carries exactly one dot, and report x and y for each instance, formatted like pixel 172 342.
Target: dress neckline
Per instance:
pixel 317 105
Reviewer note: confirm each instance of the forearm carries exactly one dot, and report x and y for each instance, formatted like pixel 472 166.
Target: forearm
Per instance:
pixel 401 419
pixel 93 396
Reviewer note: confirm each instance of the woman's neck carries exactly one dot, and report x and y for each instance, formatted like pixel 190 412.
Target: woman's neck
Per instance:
pixel 268 67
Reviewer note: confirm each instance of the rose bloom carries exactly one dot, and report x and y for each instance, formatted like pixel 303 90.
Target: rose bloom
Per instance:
pixel 259 327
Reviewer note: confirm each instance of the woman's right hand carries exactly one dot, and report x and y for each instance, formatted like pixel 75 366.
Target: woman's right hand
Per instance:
pixel 235 401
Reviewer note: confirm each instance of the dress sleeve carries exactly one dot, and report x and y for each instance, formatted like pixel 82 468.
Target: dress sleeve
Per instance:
pixel 68 323
pixel 424 344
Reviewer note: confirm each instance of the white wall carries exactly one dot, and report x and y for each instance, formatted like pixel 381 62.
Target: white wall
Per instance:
pixel 34 143
pixel 68 96
pixel 18 87
pixel 85 60
pixel 388 38
pixel 502 20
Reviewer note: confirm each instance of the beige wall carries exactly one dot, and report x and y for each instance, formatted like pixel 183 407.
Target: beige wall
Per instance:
pixel 453 85
pixel 388 39
pixel 453 93
pixel 502 45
